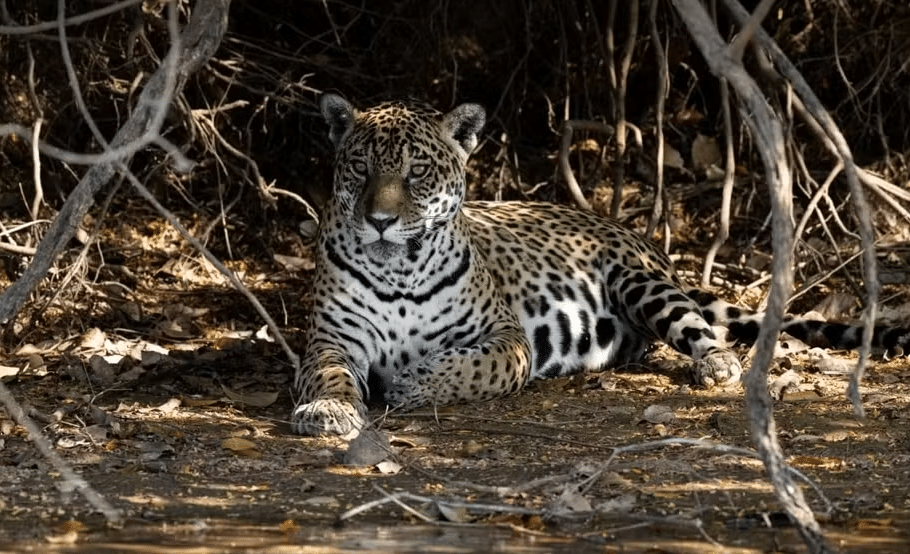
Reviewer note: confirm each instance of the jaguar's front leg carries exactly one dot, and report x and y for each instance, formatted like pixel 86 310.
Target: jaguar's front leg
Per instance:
pixel 494 367
pixel 331 399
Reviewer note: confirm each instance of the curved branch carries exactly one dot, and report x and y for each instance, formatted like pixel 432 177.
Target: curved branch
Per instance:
pixel 766 127
pixel 569 127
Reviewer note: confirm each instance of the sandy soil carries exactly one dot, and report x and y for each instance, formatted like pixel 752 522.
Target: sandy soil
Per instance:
pixel 189 439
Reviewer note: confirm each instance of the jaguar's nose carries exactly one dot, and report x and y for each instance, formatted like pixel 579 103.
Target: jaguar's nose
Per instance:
pixel 381 221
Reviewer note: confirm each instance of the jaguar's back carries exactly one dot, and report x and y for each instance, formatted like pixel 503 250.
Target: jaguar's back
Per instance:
pixel 561 271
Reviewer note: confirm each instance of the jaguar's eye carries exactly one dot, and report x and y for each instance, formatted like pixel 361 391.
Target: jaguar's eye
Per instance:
pixel 359 167
pixel 418 170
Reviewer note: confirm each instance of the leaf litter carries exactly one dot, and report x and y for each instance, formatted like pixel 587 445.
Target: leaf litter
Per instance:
pixel 208 406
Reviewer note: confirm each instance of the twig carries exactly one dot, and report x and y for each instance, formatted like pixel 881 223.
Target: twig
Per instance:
pixel 328 15
pixel 662 87
pixel 396 497
pixel 36 171
pixel 152 106
pixel 16 249
pixel 610 48
pixel 33 96
pixel 886 191
pixel 811 207
pixel 723 229
pixel 270 188
pixel 750 28
pixel 822 278
pixel 568 130
pixel 71 479
pixel 75 20
pixel 266 189
pixel 619 94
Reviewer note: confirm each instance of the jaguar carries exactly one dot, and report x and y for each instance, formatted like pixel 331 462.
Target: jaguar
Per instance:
pixel 423 298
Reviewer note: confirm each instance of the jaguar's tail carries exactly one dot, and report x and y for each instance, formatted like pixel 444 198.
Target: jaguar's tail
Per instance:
pixel 743 325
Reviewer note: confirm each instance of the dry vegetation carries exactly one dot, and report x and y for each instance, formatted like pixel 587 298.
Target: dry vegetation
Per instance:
pixel 247 120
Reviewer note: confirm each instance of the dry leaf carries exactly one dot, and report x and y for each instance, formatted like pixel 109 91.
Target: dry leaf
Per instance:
pixel 672 157
pixel 263 334
pixel 72 525
pixel 149 451
pixel 132 310
pixel 659 413
pixel 27 349
pixel 293 263
pixel 98 433
pixel 255 399
pixel 237 444
pixel 34 362
pixel 308 228
pixel 102 370
pixel 92 339
pixel 241 447
pixel 788 381
pixel 571 502
pixel 168 406
pixel 7 371
pixel 388 467
pixel 705 152
pixel 180 328
pixel 621 504
pixel 69 533
pixel 288 527
pixel 367 449
pixel 453 514
pixel 198 402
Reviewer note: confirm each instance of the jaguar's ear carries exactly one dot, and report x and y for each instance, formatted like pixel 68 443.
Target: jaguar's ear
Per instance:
pixel 339 114
pixel 463 124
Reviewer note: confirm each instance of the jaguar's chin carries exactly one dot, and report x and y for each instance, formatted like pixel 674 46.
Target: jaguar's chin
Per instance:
pixel 382 251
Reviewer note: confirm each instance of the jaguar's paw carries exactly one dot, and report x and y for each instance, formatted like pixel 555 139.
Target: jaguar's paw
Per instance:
pixel 719 368
pixel 328 416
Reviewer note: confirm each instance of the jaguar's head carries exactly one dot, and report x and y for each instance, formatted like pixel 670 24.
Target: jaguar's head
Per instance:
pixel 399 170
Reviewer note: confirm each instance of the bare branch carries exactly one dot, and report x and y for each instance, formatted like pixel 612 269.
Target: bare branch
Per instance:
pixel 199 41
pixel 767 131
pixel 71 479
pixel 76 20
pixel 723 229
pixel 866 232
pixel 36 171
pixel 749 28
pixel 568 130
pixel 619 107
pixel 662 88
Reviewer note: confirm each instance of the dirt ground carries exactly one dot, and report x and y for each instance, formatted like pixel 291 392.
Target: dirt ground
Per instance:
pixel 157 383
pixel 174 406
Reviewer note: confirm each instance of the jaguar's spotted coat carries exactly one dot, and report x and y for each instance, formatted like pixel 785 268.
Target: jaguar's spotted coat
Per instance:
pixel 438 300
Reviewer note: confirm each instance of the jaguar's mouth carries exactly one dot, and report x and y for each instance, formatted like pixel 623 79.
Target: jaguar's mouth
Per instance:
pixel 383 250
